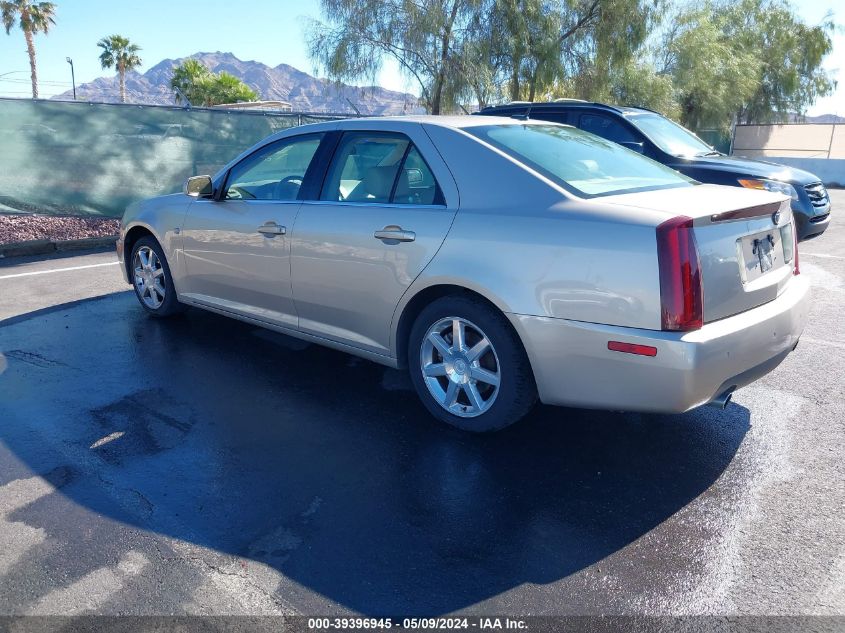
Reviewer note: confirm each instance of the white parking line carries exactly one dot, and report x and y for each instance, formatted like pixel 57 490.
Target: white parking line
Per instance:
pixel 57 270
pixel 823 255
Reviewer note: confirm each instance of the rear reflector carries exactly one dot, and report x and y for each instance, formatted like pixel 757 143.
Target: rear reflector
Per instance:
pixel 631 348
pixel 681 296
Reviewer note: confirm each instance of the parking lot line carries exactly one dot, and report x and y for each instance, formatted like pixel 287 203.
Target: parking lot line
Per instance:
pixel 57 270
pixel 823 255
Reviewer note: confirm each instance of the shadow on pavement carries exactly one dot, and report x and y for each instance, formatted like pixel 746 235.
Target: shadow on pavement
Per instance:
pixel 326 467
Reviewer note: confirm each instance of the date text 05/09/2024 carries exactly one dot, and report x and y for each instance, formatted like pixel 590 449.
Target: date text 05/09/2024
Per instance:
pixel 435 624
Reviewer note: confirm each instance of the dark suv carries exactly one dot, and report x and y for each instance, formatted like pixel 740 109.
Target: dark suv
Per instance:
pixel 666 142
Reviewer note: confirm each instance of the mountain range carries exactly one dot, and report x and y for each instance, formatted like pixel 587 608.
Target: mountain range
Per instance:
pixel 284 83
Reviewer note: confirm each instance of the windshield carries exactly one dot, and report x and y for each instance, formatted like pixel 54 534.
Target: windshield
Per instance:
pixel 579 161
pixel 669 136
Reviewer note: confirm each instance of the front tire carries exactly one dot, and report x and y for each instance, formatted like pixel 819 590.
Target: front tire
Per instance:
pixel 468 366
pixel 152 280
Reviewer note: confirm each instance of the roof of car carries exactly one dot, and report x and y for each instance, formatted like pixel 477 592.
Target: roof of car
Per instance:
pixel 452 121
pixel 378 123
pixel 387 122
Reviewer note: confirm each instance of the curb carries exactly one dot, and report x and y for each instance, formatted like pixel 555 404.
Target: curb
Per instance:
pixel 45 247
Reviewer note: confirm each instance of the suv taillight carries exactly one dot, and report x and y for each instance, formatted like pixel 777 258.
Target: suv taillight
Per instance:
pixel 682 305
pixel 796 270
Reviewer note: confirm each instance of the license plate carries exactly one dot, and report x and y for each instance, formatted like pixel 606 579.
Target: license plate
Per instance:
pixel 761 253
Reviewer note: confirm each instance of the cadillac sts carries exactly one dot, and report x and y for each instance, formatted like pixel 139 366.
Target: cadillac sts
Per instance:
pixel 499 261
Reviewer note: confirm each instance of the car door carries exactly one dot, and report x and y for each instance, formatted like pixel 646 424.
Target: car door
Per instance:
pixel 380 219
pixel 236 245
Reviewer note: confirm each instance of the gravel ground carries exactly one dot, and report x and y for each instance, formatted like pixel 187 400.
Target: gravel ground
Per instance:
pixel 21 228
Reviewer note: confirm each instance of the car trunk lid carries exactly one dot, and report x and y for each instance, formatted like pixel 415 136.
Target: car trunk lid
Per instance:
pixel 744 240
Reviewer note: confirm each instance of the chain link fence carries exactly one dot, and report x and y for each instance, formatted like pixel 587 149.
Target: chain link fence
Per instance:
pixel 69 158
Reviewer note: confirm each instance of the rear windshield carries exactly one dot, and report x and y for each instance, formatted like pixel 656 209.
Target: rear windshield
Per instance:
pixel 580 162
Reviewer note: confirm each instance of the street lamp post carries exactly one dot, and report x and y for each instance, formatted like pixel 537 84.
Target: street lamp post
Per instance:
pixel 72 77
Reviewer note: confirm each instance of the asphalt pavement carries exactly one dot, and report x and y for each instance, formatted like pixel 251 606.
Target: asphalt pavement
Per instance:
pixel 204 466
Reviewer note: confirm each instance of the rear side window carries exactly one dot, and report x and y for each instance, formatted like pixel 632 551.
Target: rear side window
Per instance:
pixel 416 184
pixel 606 128
pixel 380 168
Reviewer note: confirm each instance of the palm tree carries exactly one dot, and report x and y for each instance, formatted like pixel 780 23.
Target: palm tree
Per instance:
pixel 32 17
pixel 120 52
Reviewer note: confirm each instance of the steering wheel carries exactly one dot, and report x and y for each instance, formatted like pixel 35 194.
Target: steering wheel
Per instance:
pixel 283 187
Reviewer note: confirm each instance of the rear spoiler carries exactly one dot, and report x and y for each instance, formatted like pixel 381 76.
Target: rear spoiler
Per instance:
pixel 749 212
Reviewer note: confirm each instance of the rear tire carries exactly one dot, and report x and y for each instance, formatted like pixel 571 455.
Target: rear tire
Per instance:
pixel 151 279
pixel 468 366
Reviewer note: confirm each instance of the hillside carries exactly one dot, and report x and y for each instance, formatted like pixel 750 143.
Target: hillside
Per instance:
pixel 304 92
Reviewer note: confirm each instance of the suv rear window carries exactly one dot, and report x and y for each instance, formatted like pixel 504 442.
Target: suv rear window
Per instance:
pixel 580 162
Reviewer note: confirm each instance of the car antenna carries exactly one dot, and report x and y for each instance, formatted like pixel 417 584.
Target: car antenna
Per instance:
pixel 357 111
pixel 525 116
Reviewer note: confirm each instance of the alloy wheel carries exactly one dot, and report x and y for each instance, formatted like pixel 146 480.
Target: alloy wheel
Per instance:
pixel 149 277
pixel 460 367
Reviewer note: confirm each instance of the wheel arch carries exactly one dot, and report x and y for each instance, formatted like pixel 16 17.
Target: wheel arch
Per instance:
pixel 133 234
pixel 414 302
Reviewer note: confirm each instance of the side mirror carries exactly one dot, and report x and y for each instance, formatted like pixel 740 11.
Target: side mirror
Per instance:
pixel 632 145
pixel 198 186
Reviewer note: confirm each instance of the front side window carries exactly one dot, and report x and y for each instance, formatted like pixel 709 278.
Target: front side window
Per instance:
pixel 580 162
pixel 275 172
pixel 380 168
pixel 671 137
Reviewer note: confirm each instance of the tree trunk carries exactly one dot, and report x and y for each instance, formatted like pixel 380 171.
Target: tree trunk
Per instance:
pixel 437 94
pixel 30 47
pixel 514 87
pixel 121 71
pixel 532 86
pixel 439 82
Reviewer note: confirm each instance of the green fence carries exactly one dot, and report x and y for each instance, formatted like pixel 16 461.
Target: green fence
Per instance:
pixel 95 158
pixel 719 139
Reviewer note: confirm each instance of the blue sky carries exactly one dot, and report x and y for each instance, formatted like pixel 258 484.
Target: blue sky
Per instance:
pixel 269 31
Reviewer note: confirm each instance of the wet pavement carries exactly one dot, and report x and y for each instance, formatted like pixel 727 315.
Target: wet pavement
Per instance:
pixel 201 465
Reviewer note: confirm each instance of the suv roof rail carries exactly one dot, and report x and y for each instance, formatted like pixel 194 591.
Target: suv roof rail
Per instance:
pixel 641 108
pixel 562 101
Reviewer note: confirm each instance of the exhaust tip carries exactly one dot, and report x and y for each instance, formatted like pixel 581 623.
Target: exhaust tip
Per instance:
pixel 722 400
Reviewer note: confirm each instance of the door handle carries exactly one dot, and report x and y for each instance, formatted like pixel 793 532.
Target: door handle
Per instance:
pixel 271 230
pixel 395 234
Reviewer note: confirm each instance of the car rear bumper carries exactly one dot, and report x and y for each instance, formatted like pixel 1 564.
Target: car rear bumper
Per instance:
pixel 573 366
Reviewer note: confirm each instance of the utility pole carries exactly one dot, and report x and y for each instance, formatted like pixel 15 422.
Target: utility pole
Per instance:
pixel 72 76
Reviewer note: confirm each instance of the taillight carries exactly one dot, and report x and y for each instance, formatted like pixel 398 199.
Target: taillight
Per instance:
pixel 796 270
pixel 682 305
